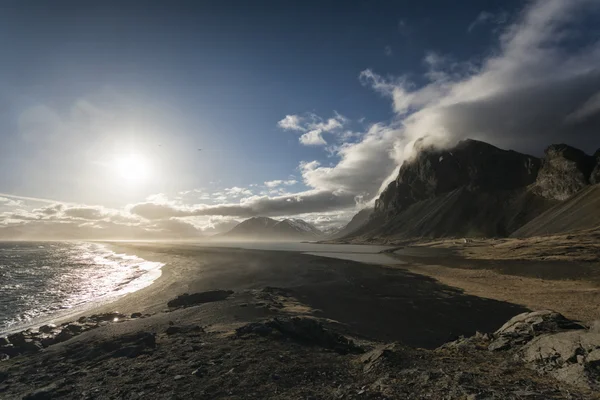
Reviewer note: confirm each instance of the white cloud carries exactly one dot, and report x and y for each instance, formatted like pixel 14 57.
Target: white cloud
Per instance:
pixel 520 97
pixel 313 127
pixel 8 202
pixel 279 182
pixel 291 123
pixel 237 192
pixel 313 138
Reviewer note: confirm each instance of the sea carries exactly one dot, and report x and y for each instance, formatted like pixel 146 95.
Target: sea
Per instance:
pixel 39 280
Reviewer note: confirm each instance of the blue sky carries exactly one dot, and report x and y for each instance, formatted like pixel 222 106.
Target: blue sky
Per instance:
pixel 324 96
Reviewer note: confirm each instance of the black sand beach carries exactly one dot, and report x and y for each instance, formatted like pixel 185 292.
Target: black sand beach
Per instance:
pixel 308 301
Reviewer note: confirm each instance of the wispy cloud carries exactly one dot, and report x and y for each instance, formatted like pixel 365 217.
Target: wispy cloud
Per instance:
pixel 486 17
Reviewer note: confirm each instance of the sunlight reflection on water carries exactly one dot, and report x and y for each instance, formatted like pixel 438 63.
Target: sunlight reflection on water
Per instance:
pixel 38 280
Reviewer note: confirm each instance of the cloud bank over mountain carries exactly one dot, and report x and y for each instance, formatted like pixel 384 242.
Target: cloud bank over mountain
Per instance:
pixel 539 84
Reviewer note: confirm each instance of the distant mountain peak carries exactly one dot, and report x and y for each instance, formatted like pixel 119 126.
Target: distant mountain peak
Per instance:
pixel 264 228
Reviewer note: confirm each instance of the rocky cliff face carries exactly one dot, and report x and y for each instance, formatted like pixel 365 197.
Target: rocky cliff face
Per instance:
pixel 471 164
pixel 476 189
pixel 565 171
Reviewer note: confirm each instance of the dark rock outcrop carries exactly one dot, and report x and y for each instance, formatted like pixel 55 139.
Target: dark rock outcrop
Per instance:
pixel 188 300
pixel 595 175
pixel 303 330
pixel 565 171
pixel 547 342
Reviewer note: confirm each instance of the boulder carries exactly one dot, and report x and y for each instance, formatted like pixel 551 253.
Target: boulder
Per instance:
pixel 18 339
pixel 63 336
pixel 572 356
pixel 3 341
pixel 524 327
pixel 47 328
pixel 136 315
pixel 187 300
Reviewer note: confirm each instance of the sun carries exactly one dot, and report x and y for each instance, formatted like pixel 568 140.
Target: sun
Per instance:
pixel 132 168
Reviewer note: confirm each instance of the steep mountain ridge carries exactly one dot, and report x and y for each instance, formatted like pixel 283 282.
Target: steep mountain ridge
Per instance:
pixel 476 189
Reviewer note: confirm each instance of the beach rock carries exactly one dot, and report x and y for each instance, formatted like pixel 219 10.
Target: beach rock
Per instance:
pixel 17 339
pixel 136 315
pixel 4 357
pixel 74 328
pixel 63 336
pixel 47 328
pixel 374 358
pixel 47 341
pixel 187 300
pixel 572 356
pixel 3 341
pixel 31 346
pixel 174 329
pixel 303 330
pixel 10 350
pixel 524 327
pixel 107 317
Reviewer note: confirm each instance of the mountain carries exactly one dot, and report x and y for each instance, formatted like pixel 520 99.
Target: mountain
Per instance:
pixel 476 189
pixel 355 223
pixel 580 212
pixel 263 228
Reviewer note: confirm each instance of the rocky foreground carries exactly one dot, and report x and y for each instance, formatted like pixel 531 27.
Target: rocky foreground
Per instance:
pixel 273 347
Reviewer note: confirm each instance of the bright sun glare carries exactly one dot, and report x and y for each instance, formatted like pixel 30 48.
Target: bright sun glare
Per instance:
pixel 132 167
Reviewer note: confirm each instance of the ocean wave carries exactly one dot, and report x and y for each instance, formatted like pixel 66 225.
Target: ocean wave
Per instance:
pixel 39 281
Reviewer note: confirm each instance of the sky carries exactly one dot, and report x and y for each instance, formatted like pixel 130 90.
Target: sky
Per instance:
pixel 175 119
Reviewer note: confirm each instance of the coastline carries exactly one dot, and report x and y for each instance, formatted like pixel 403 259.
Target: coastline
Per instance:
pixel 94 305
pixel 341 328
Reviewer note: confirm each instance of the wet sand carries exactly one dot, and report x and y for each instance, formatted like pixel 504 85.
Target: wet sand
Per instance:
pixel 373 301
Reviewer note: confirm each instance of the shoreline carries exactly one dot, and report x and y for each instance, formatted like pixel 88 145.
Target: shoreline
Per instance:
pixel 91 306
pixel 280 324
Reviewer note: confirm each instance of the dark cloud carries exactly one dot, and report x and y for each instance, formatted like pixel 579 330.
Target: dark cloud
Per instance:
pixel 306 202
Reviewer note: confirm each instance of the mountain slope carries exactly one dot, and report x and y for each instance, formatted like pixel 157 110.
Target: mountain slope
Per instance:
pixel 476 189
pixel 263 228
pixel 355 223
pixel 579 212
